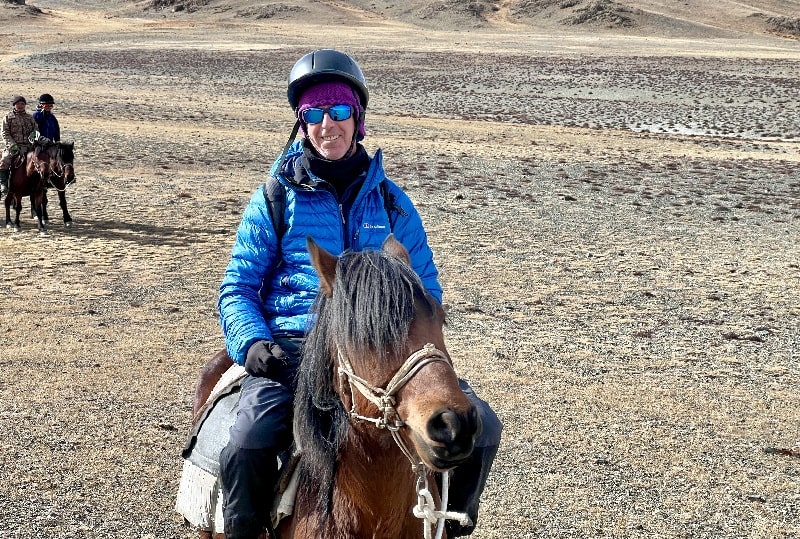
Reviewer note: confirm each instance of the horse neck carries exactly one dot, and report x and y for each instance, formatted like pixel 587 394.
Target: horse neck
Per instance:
pixel 34 165
pixel 375 488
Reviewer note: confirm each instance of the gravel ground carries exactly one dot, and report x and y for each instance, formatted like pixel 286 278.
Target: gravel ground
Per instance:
pixel 617 226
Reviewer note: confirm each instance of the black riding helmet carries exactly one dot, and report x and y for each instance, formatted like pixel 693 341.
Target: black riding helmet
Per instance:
pixel 46 99
pixel 325 65
pixel 318 66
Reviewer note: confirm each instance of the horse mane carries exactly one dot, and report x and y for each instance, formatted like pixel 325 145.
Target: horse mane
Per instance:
pixel 67 151
pixel 63 151
pixel 373 303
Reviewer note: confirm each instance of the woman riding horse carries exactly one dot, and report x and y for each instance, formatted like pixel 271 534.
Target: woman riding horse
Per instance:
pixel 337 193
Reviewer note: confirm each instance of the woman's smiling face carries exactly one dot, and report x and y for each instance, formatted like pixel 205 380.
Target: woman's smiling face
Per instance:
pixel 332 139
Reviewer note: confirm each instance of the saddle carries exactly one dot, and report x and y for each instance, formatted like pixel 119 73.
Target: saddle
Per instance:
pixel 18 156
pixel 200 498
pixel 17 160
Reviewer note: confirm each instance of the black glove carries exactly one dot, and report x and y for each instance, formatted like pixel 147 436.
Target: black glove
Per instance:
pixel 264 358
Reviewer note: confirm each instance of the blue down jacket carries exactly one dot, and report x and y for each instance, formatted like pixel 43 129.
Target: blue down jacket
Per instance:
pixel 267 291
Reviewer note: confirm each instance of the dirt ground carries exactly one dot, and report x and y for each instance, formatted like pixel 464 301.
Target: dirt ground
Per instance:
pixel 616 219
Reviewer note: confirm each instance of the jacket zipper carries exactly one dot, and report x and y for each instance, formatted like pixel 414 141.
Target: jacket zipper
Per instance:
pixel 348 242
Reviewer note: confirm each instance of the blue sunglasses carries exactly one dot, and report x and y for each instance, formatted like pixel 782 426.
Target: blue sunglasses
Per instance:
pixel 336 112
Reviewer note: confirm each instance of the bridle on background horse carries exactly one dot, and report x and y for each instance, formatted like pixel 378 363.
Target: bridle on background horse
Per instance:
pixel 60 171
pixel 38 165
pixel 44 143
pixel 384 399
pixel 63 174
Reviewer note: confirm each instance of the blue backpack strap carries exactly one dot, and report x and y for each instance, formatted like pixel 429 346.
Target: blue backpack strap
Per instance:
pixel 389 203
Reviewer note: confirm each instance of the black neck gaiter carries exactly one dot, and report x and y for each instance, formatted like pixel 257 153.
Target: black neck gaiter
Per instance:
pixel 340 173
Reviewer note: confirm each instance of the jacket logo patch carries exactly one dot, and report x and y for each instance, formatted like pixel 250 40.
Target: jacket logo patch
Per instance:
pixel 374 227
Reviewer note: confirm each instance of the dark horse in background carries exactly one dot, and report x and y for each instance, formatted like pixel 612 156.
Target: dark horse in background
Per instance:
pixel 29 177
pixel 62 157
pixel 378 407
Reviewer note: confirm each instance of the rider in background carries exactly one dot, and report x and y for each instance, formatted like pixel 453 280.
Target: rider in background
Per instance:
pixel 46 120
pixel 17 127
pixel 335 192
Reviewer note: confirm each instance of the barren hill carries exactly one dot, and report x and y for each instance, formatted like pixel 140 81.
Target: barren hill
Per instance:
pixel 662 18
pixel 639 17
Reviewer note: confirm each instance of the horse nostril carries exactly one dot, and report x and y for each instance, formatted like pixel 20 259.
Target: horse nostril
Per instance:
pixel 448 426
pixel 444 426
pixel 474 420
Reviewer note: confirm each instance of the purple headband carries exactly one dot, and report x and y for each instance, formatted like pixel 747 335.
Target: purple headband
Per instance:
pixel 331 93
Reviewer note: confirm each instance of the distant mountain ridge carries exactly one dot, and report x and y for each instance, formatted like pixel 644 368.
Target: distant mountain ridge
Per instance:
pixel 665 18
pixel 652 17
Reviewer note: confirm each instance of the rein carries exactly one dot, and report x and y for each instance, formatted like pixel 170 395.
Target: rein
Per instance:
pixel 38 164
pixel 384 399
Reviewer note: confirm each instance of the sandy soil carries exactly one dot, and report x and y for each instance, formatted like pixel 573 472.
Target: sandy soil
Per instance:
pixel 616 218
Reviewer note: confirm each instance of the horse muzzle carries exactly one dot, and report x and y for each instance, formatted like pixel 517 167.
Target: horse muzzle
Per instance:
pixel 450 438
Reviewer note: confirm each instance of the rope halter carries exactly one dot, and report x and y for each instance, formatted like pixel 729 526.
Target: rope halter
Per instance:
pixel 384 399
pixel 63 175
pixel 38 165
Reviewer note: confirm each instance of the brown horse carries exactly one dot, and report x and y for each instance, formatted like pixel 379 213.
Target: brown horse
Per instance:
pixel 62 156
pixel 29 179
pixel 378 406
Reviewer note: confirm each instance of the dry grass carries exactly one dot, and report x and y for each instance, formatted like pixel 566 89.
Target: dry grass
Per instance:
pixel 616 220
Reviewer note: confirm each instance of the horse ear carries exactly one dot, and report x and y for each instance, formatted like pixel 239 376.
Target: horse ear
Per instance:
pixel 324 263
pixel 394 247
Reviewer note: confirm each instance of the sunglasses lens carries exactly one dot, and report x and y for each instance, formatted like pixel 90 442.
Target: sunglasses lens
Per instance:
pixel 336 112
pixel 313 116
pixel 340 112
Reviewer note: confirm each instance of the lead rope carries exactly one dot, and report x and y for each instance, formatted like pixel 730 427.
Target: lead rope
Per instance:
pixel 425 508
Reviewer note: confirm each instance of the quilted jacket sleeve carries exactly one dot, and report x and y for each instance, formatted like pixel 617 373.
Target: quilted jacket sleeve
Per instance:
pixel 7 138
pixel 252 260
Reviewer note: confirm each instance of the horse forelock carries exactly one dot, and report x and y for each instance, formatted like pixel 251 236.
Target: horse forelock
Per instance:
pixel 66 151
pixel 41 152
pixel 373 303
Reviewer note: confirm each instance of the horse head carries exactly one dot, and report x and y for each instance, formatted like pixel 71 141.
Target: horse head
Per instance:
pixel 385 339
pixel 39 158
pixel 66 158
pixel 62 155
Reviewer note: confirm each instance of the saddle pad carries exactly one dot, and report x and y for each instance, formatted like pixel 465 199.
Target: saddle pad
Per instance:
pixel 210 433
pixel 200 497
